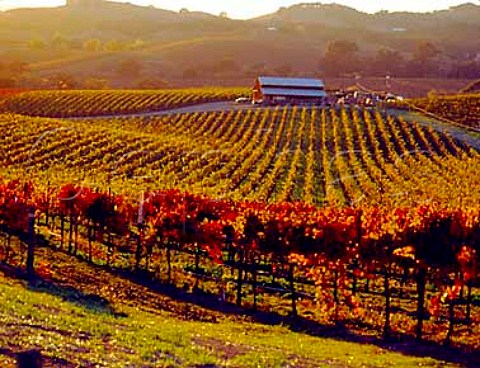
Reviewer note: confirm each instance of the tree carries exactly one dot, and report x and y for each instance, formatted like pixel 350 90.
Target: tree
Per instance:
pixel 37 44
pixel 114 45
pixel 138 44
pixel 340 57
pixel 387 61
pixel 422 62
pixel 59 42
pixel 468 69
pixel 92 45
pixel 425 51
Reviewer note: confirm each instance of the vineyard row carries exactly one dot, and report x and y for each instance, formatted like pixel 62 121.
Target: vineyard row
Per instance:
pixel 348 157
pixel 332 248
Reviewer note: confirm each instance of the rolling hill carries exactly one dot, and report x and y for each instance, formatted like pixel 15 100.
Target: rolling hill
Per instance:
pixel 198 48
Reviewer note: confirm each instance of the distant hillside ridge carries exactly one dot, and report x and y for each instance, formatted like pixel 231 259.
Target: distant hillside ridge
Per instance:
pixel 342 15
pixel 85 3
pixel 109 44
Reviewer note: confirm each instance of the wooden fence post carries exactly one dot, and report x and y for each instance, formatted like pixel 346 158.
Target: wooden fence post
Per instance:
pixel 62 230
pixel 75 238
pixel 386 286
pixel 254 274
pixel 335 295
pixel 292 289
pixel 469 303
pixel 197 267
pixel 451 322
pixel 110 250
pixel 70 234
pixel 90 235
pixel 355 260
pixel 354 276
pixel 421 285
pixel 31 243
pixel 240 278
pixel 169 264
pixel 138 251
pixel 47 215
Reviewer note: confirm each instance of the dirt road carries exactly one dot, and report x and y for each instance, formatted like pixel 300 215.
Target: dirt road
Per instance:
pixel 455 131
pixel 471 138
pixel 204 107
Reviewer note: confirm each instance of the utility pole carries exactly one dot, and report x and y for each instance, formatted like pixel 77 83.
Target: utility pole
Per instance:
pixel 387 91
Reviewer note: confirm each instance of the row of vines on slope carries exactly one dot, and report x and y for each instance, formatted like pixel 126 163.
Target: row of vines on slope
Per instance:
pixel 334 248
pixel 347 157
pixel 62 104
pixel 462 109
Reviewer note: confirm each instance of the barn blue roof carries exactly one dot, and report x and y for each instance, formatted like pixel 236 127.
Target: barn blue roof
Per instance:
pixel 291 82
pixel 293 92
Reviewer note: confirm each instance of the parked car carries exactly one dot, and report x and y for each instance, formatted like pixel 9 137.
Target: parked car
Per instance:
pixel 392 98
pixel 242 100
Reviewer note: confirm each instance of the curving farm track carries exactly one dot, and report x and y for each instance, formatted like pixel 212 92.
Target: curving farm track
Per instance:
pixel 457 132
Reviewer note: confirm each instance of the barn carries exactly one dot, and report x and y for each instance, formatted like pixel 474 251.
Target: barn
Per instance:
pixel 286 90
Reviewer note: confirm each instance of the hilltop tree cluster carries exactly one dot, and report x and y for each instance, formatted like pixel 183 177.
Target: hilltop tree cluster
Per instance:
pixel 343 57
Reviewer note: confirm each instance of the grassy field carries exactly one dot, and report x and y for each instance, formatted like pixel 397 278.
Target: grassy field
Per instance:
pixel 81 316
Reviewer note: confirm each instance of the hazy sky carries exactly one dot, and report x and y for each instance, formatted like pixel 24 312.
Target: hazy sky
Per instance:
pixel 252 8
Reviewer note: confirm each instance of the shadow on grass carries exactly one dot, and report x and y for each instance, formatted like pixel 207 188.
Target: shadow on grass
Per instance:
pixel 91 302
pixel 403 344
pixel 400 343
pixel 45 361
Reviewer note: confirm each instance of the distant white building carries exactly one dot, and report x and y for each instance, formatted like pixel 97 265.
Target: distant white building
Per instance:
pixel 286 90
